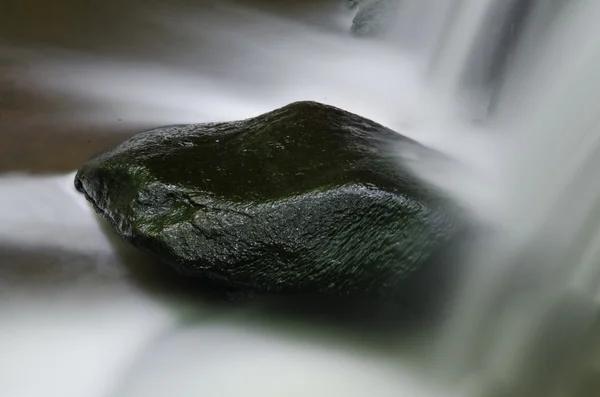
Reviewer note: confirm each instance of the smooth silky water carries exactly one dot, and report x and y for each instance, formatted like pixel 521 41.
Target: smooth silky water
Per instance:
pixel 509 88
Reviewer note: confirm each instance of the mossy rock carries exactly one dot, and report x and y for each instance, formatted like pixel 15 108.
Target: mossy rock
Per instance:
pixel 307 198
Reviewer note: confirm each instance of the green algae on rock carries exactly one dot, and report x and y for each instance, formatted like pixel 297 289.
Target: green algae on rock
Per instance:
pixel 307 198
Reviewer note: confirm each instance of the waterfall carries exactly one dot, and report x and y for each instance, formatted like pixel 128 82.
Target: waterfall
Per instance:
pixel 526 318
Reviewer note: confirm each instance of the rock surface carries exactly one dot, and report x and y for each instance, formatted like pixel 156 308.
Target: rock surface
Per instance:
pixel 307 198
pixel 374 17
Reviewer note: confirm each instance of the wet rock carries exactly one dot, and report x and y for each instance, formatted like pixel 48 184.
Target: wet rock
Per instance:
pixel 307 198
pixel 374 17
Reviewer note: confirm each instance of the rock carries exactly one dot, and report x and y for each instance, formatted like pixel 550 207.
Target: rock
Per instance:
pixel 374 17
pixel 352 4
pixel 307 198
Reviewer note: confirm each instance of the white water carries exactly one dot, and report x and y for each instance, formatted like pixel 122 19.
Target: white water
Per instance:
pixel 532 298
pixel 528 177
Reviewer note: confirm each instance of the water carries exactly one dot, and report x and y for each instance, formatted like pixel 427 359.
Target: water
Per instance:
pixel 509 88
pixel 526 320
pixel 248 62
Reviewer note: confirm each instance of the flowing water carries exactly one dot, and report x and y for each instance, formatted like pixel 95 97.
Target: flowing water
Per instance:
pixel 511 88
pixel 526 322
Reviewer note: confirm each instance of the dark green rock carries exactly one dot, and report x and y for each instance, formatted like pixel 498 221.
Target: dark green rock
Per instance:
pixel 306 198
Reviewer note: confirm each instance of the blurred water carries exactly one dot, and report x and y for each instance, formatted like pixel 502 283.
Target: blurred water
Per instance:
pixel 510 88
pixel 526 322
pixel 223 63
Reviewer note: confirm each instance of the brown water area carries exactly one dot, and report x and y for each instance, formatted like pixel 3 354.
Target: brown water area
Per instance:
pixel 31 143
